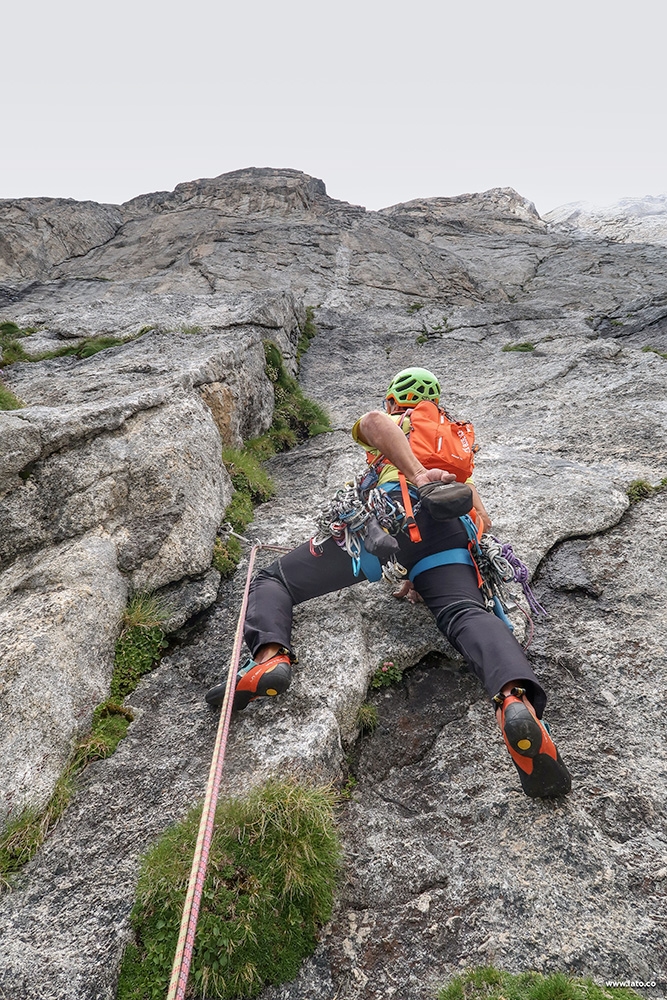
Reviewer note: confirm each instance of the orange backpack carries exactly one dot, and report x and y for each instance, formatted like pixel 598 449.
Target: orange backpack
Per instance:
pixel 438 443
pixel 441 443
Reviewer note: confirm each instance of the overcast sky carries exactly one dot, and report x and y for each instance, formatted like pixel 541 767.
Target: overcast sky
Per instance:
pixel 384 101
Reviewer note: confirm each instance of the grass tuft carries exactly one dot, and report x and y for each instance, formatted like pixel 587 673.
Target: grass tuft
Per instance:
pixel 139 645
pixel 269 888
pixel 524 346
pixel 12 351
pixel 414 307
pixel 296 418
pixel 8 401
pixel 86 349
pixel 10 348
pixel 488 983
pixel 247 474
pixel 367 718
pixel 641 489
pixel 655 350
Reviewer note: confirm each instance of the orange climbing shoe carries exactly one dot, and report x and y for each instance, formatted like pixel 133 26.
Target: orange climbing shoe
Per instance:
pixel 541 770
pixel 256 680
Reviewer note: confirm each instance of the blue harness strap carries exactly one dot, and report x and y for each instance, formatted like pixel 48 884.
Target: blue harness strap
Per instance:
pixel 445 558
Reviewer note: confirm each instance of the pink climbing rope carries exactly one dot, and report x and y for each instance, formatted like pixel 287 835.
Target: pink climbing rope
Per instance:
pixel 186 939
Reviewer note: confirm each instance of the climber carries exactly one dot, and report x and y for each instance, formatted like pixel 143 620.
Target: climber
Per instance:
pixel 445 579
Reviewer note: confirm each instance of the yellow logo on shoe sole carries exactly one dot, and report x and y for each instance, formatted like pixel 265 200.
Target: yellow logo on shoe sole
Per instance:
pixel 524 744
pixel 271 691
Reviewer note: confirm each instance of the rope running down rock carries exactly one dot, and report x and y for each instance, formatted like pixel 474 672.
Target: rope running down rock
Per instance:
pixel 185 946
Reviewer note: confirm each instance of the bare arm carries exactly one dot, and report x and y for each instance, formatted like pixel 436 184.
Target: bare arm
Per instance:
pixel 379 431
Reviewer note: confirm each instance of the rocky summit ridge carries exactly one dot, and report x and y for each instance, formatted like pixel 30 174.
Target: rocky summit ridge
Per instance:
pixel 551 335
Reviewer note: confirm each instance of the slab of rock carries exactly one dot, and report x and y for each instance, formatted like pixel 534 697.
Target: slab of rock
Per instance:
pixel 448 865
pixel 38 234
pixel 59 615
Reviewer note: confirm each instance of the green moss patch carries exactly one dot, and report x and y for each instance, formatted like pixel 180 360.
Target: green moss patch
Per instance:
pixel 641 489
pixel 269 888
pixel 488 983
pixel 523 347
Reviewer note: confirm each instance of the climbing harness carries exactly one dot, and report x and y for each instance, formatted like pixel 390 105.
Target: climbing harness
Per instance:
pixel 186 939
pixel 446 558
pixel 347 519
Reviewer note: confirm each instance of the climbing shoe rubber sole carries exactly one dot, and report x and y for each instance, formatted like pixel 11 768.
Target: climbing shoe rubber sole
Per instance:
pixel 255 680
pixel 541 770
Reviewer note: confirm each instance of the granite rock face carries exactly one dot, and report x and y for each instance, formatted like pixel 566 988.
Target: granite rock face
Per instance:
pixel 124 446
pixel 114 467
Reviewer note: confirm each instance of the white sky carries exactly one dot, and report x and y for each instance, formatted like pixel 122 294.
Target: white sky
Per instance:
pixel 384 101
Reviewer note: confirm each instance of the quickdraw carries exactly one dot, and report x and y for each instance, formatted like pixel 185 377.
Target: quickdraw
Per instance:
pixel 496 564
pixel 345 518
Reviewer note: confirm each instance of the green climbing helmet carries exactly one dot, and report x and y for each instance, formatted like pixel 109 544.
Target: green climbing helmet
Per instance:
pixel 412 385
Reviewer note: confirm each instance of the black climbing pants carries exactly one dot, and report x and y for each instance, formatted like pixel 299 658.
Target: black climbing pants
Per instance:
pixel 450 592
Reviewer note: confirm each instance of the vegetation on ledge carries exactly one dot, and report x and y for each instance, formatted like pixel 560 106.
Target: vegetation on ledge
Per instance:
pixel 8 401
pixel 12 350
pixel 295 419
pixel 140 644
pixel 488 983
pixel 269 888
pixel 138 649
pixel 523 347
pixel 641 489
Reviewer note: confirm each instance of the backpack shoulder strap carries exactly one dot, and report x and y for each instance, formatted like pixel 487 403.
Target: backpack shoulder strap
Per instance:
pixel 413 528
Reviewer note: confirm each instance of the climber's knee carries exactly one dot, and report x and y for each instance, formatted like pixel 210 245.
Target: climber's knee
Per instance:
pixel 452 614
